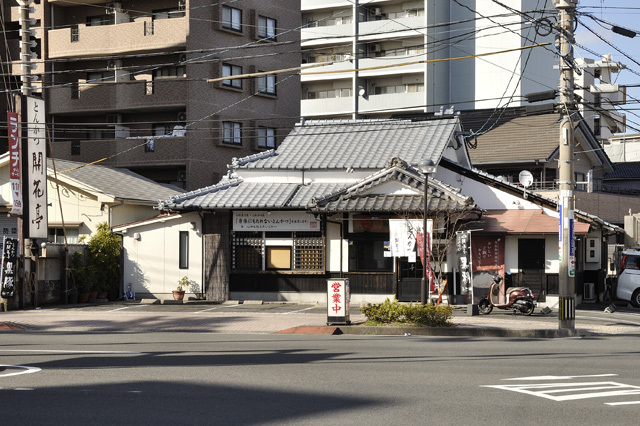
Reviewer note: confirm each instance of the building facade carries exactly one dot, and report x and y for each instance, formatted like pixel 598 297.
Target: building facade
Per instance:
pixel 396 56
pixel 126 82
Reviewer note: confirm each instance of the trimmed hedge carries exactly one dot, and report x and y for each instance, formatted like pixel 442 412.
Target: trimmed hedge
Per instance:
pixel 396 313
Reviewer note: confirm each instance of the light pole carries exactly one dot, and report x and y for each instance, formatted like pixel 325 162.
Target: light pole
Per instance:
pixel 427 167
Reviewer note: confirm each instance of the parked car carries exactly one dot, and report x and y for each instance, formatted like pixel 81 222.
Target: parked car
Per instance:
pixel 628 287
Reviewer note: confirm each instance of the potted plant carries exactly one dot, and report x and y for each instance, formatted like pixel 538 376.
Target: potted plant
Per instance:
pixel 178 293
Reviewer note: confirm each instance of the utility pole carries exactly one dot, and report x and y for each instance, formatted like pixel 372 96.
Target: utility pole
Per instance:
pixel 566 247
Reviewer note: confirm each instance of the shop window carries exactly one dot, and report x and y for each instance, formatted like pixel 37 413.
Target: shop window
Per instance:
pixel 366 254
pixel 301 251
pixel 278 257
pixel 184 250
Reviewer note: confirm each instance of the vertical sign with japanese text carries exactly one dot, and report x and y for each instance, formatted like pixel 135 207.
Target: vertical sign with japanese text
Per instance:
pixel 463 250
pixel 36 168
pixel 338 297
pixel 7 276
pixel 13 123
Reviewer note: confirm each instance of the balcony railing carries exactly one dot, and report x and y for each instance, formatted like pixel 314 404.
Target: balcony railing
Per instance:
pixel 122 96
pixel 130 37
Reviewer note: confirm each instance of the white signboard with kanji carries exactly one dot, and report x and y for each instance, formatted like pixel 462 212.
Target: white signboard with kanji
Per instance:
pixel 36 168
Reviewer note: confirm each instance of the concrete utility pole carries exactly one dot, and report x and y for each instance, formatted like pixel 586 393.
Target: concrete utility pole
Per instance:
pixel 567 285
pixel 25 46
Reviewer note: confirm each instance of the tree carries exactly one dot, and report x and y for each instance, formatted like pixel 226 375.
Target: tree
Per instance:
pixel 104 258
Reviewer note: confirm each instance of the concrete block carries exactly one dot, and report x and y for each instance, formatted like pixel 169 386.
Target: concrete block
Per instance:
pixel 472 309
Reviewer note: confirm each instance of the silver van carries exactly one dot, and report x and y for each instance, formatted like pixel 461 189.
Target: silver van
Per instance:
pixel 628 287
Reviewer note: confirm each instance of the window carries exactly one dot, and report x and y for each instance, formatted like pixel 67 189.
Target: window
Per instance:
pixel 266 28
pixel 169 72
pixel 266 137
pixel 231 70
pixel 184 250
pixel 366 253
pixel 56 235
pixel 231 18
pixel 280 250
pixel 232 132
pixel 267 84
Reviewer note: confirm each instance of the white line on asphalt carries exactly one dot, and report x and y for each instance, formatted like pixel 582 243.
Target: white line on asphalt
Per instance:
pixel 622 403
pixel 135 391
pixel 546 390
pixel 23 389
pixel 610 319
pixel 299 310
pixel 56 351
pixel 216 307
pixel 27 370
pixel 560 377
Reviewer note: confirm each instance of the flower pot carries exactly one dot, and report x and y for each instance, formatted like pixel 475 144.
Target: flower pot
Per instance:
pixel 93 295
pixel 178 295
pixel 83 297
pixel 72 297
pixel 103 295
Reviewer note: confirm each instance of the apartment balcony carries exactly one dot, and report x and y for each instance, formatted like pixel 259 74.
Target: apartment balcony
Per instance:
pixel 372 104
pixel 325 34
pixel 391 64
pixel 142 35
pixel 387 28
pixel 127 152
pixel 323 4
pixel 122 96
pixel 328 106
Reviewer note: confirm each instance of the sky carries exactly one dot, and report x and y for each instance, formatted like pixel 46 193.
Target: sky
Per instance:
pixel 626 14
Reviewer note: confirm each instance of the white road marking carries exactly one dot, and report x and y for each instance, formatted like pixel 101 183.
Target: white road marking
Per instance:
pixel 622 403
pixel 27 370
pixel 621 321
pixel 299 310
pixel 547 390
pixel 206 310
pixel 23 389
pixel 56 351
pixel 560 377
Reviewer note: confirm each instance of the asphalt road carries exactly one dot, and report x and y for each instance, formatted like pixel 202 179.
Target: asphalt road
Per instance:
pixel 206 378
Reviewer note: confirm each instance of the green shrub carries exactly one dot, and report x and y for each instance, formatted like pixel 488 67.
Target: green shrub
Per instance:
pixel 390 312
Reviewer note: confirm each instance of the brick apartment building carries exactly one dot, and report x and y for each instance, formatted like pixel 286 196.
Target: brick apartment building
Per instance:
pixel 127 81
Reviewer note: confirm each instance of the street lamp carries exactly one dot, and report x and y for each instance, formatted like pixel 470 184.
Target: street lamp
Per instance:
pixel 427 167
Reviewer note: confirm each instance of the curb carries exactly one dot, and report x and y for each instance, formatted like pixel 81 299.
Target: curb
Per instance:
pixel 463 332
pixel 6 326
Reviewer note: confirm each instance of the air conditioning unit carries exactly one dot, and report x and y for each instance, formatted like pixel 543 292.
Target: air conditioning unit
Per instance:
pixel 376 11
pixel 376 47
pixel 114 7
pixel 182 117
pixel 114 118
pixel 182 57
pixel 182 4
pixel 114 64
pixel 182 175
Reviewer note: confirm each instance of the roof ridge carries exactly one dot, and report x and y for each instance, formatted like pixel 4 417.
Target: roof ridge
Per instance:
pixel 207 189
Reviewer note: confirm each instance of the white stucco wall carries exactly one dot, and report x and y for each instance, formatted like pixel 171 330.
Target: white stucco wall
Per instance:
pixel 151 263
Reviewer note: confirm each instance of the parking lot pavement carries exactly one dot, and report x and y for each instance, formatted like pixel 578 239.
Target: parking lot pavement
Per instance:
pixel 274 317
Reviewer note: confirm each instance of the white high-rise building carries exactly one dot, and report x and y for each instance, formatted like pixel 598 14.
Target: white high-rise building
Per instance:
pixel 397 56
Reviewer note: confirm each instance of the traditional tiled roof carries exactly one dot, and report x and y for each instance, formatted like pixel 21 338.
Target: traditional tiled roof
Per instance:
pixel 119 183
pixel 629 170
pixel 356 144
pixel 357 197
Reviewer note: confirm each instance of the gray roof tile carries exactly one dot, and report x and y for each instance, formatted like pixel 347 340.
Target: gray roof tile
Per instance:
pixel 116 182
pixel 359 144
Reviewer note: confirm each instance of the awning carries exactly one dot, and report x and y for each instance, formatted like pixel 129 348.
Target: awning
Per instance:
pixel 66 224
pixel 521 222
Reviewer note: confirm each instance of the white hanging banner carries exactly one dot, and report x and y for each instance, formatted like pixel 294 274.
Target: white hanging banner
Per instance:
pixel 36 168
pixel 403 234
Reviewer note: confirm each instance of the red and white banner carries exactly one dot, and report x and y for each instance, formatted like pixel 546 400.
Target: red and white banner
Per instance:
pixel 13 123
